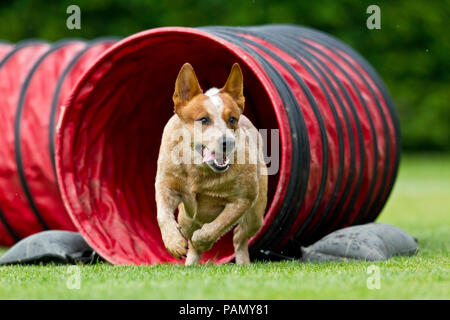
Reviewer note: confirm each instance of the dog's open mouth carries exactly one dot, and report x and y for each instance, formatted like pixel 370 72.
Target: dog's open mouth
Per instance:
pixel 217 163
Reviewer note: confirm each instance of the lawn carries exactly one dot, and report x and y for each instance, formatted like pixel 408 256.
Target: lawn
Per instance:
pixel 420 204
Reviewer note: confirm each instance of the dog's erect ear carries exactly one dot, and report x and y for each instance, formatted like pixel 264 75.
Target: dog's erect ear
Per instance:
pixel 186 86
pixel 235 86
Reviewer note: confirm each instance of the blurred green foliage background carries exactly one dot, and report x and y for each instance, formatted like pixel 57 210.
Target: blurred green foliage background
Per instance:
pixel 411 51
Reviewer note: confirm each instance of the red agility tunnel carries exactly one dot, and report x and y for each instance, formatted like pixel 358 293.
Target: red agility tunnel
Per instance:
pixel 35 78
pixel 338 133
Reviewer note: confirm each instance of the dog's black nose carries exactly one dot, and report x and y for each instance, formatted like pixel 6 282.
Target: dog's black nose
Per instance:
pixel 226 143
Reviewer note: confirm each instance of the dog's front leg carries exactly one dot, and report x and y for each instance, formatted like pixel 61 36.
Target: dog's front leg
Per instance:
pixel 167 202
pixel 193 256
pixel 204 238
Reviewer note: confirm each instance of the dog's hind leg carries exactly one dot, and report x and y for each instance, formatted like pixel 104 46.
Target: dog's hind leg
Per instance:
pixel 240 242
pixel 246 228
pixel 250 224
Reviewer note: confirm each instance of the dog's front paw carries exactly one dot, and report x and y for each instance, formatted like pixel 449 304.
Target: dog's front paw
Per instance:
pixel 174 242
pixel 201 241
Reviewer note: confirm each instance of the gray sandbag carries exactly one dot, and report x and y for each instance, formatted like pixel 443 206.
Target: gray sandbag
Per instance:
pixel 370 242
pixel 61 247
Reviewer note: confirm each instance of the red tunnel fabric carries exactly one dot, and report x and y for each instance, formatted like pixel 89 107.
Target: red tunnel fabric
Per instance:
pixel 324 101
pixel 83 123
pixel 5 48
pixel 30 74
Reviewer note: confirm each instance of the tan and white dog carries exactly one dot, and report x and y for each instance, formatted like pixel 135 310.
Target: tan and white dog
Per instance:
pixel 212 191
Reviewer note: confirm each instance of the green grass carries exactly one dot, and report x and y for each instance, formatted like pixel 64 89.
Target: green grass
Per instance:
pixel 420 204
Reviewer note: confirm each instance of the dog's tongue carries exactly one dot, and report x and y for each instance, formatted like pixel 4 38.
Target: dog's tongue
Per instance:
pixel 208 155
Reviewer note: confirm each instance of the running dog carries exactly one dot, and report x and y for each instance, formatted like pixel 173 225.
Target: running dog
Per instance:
pixel 217 186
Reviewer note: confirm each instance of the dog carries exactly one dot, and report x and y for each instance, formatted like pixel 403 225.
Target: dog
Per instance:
pixel 212 193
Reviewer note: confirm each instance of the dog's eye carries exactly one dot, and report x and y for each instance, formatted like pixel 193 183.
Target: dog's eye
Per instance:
pixel 232 120
pixel 204 120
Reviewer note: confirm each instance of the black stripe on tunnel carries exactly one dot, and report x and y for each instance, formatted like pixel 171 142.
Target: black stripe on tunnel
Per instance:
pixel 16 49
pixel 300 32
pixel 54 107
pixel 361 155
pixel 319 66
pixel 281 224
pixel 287 47
pixel 365 208
pixel 295 33
pixel 293 198
pixel 331 43
pixel 17 131
pixel 267 241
